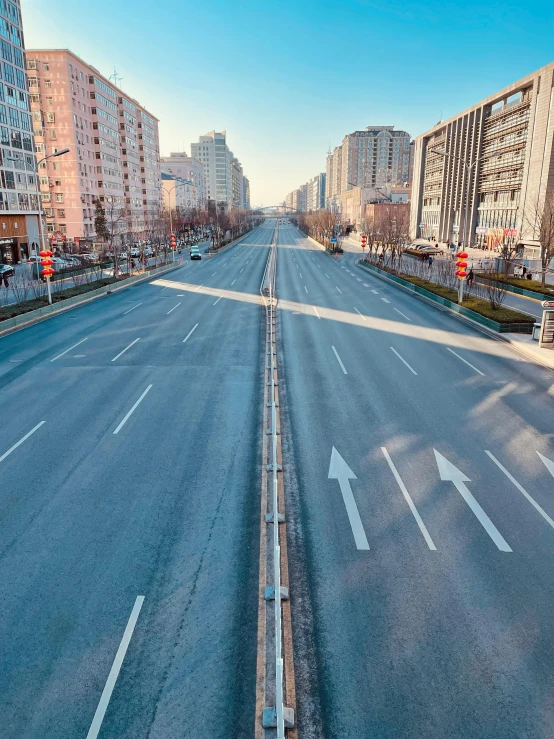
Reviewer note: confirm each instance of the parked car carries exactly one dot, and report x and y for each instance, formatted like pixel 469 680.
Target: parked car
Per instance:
pixel 431 250
pixel 6 270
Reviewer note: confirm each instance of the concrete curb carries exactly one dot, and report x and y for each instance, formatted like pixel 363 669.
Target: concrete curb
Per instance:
pixel 483 329
pixel 65 308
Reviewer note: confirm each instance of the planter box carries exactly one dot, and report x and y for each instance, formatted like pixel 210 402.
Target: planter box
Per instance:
pixel 502 328
pixel 516 290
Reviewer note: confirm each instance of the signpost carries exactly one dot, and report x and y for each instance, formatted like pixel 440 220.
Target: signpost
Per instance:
pixel 546 339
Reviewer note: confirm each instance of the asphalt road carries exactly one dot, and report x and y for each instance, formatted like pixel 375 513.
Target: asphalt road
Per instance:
pixel 129 469
pixel 422 607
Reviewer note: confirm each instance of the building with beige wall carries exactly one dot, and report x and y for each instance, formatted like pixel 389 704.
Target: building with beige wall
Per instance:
pixel 493 162
pixel 114 148
pixel 192 192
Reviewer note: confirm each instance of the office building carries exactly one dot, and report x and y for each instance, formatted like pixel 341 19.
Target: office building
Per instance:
pixel 188 172
pixel 113 143
pixel 223 171
pixel 246 192
pixel 493 162
pixel 333 179
pixel 19 197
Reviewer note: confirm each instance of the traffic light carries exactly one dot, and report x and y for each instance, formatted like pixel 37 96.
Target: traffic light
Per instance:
pixel 364 241
pixel 461 264
pixel 46 263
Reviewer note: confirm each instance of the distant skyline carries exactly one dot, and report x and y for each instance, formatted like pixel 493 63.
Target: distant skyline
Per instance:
pixel 287 80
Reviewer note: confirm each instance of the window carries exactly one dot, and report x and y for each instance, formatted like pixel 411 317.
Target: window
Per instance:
pixel 31 63
pixel 53 133
pixel 61 212
pixel 43 181
pixel 14 117
pixel 51 117
pixel 33 82
pixel 63 228
pixel 59 197
pixel 48 100
pixel 8 73
pixel 58 183
pixel 46 67
pixel 48 83
pixel 35 98
pixel 20 77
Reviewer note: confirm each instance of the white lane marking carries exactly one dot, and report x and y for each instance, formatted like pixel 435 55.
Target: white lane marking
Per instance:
pixel 171 311
pixel 319 265
pixel 360 314
pixel 359 280
pixel 365 284
pixel 448 471
pixel 317 314
pixel 339 470
pixel 409 501
pixel 548 463
pixel 340 291
pixel 198 288
pixel 214 273
pixel 217 301
pixel 403 360
pixel 127 347
pixel 465 361
pixel 29 433
pixel 305 288
pixel 232 283
pixel 339 360
pixel 68 350
pixel 129 413
pixel 241 270
pixel 375 291
pixel 385 300
pixel 327 276
pixel 190 332
pixel 133 308
pixel 403 314
pixel 114 672
pixel 300 273
pixel 521 489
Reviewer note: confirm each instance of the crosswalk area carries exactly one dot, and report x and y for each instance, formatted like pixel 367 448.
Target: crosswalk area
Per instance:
pixel 500 505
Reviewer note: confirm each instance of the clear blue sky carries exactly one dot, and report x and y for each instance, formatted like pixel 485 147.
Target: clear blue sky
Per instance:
pixel 286 78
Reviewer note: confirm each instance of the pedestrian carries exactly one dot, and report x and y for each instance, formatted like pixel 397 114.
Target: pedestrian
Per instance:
pixel 430 261
pixel 470 277
pixel 523 270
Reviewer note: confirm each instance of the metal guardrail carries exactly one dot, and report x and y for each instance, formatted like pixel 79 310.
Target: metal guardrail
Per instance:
pixel 267 290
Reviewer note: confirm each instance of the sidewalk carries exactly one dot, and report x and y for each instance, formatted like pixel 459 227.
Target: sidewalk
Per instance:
pixel 525 344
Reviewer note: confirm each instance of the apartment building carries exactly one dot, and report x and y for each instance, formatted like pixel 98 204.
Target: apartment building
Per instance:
pixel 489 167
pixel 113 146
pixel 237 190
pixel 333 172
pixel 19 196
pixel 246 192
pixel 310 196
pixel 189 173
pixel 223 171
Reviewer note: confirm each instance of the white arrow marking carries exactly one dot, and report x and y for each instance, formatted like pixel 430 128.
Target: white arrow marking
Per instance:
pixel 339 470
pixel 548 463
pixel 521 489
pixel 448 471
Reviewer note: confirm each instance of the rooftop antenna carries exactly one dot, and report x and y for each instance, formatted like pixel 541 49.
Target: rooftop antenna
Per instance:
pixel 116 79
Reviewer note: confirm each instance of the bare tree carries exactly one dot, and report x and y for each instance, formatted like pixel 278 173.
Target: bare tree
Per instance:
pixel 540 222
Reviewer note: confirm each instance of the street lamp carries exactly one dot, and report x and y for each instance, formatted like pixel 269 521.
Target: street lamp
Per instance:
pixel 41 228
pixel 180 183
pixel 469 167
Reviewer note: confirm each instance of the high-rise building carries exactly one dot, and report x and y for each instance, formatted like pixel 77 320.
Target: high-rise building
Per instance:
pixel 237 189
pixel 333 179
pixel 189 172
pixel 19 197
pixel 223 176
pixel 493 163
pixel 113 143
pixel 246 192
pixel 376 156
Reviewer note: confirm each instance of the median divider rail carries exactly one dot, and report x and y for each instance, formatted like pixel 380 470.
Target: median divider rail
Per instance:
pixel 278 715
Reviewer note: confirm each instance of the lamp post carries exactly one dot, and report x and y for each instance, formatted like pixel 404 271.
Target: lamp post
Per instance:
pixel 467 227
pixel 40 212
pixel 180 183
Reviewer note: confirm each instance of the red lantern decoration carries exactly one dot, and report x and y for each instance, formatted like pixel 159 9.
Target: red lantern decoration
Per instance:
pixel 46 263
pixel 461 273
